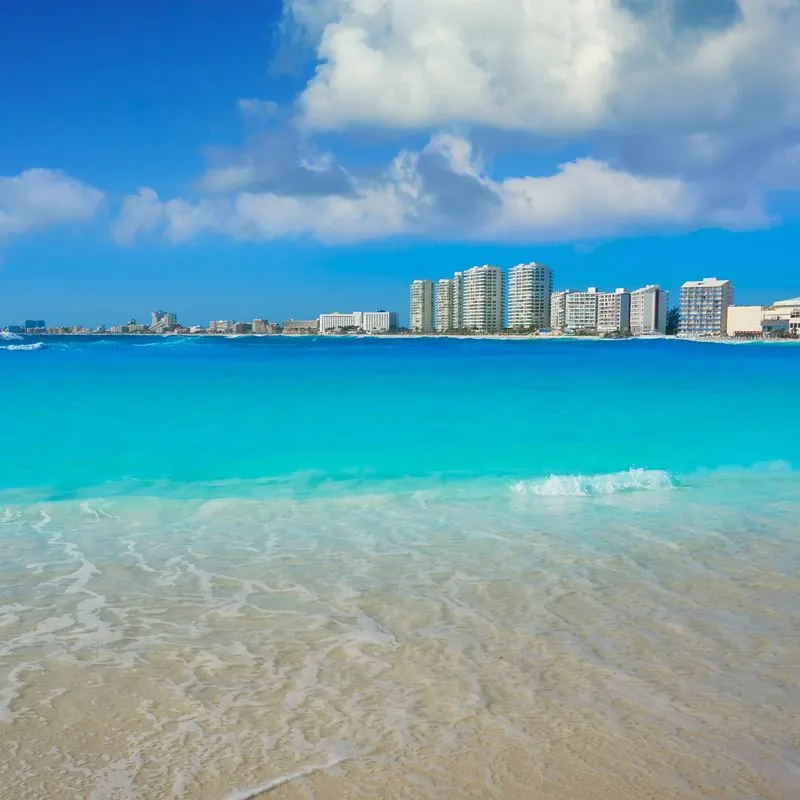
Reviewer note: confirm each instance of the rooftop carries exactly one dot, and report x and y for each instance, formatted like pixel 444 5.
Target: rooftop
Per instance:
pixel 794 302
pixel 706 282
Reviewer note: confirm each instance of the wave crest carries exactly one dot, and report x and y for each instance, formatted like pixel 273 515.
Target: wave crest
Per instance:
pixel 632 480
pixel 32 346
pixel 7 335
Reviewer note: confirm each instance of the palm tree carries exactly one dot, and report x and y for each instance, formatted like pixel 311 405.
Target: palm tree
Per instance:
pixel 673 321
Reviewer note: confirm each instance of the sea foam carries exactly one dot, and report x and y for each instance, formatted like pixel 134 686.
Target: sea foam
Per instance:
pixel 632 480
pixel 32 346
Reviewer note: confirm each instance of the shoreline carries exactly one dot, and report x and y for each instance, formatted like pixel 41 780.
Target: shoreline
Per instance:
pixel 502 337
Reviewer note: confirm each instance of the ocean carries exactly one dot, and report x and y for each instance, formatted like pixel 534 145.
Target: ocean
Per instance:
pixel 398 568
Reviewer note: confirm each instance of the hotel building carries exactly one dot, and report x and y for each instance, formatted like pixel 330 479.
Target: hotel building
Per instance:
pixel 581 310
pixel 422 306
pixel 530 287
pixel 445 311
pixel 483 299
pixel 458 301
pixel 649 310
pixel 558 310
pixel 364 321
pixel 782 318
pixel 614 311
pixel 704 307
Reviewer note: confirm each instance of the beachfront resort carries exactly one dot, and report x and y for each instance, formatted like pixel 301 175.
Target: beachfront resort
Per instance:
pixel 487 301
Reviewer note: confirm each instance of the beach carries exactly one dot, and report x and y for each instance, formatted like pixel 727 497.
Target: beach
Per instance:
pixel 360 568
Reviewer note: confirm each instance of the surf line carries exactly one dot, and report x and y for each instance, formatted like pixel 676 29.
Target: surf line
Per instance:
pixel 276 783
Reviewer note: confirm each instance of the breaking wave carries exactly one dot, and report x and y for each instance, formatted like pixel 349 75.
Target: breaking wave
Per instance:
pixel 632 480
pixel 32 346
pixel 7 335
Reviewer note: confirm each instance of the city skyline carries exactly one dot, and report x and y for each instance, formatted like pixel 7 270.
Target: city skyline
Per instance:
pixel 229 169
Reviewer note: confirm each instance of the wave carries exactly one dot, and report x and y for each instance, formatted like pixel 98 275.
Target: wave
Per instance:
pixel 632 480
pixel 32 346
pixel 7 335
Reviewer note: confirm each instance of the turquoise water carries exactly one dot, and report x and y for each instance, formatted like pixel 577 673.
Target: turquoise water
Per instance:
pixel 230 562
pixel 165 414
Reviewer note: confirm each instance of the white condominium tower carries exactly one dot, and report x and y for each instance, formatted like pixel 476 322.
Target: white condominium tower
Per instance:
pixel 483 299
pixel 558 310
pixel 649 310
pixel 581 310
pixel 445 311
pixel 530 287
pixel 614 311
pixel 458 301
pixel 422 306
pixel 704 307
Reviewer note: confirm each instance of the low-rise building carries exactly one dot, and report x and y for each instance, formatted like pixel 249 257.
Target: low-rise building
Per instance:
pixel 264 326
pixel 379 321
pixel 359 321
pixel 297 327
pixel 221 326
pixel 745 321
pixel 783 313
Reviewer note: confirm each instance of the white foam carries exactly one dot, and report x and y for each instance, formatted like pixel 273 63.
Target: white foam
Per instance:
pixel 32 346
pixel 632 480
pixel 257 791
pixel 9 336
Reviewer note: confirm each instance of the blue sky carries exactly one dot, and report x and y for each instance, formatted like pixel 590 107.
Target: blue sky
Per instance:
pixel 233 160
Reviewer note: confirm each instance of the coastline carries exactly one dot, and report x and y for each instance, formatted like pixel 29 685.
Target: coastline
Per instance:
pixel 501 337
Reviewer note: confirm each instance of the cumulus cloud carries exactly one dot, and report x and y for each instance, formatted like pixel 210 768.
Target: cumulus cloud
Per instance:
pixel 276 161
pixel 443 190
pixel 39 198
pixel 553 66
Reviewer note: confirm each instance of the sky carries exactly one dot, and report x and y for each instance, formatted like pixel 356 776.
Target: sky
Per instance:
pixel 265 159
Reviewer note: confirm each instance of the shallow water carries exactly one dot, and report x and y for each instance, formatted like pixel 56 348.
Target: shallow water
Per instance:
pixel 406 569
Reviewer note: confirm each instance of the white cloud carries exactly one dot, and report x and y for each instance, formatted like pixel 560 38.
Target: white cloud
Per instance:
pixel 139 214
pixel 442 191
pixel 39 198
pixel 553 66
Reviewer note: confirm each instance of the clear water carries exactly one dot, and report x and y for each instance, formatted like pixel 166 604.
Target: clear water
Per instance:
pixel 398 568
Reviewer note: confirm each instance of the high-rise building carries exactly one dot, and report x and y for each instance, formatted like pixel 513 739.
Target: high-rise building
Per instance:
pixel 445 311
pixel 530 287
pixel 458 301
pixel 422 306
pixel 614 311
pixel 649 310
pixel 581 310
pixel 483 299
pixel 156 317
pixel 704 307
pixel 558 310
